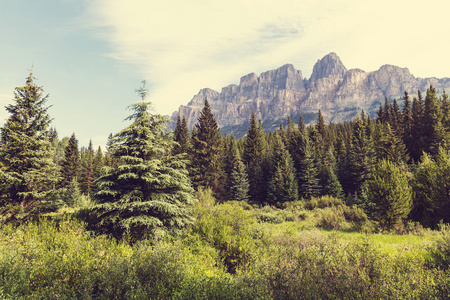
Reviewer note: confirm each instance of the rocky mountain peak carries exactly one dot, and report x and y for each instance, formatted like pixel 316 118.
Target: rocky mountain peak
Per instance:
pixel 329 66
pixel 276 94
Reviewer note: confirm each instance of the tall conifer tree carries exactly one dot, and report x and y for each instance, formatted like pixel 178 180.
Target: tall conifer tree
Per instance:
pixel 70 167
pixel 149 190
pixel 28 169
pixel 254 157
pixel 208 157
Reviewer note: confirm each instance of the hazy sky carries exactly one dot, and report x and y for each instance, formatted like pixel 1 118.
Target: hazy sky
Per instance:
pixel 91 55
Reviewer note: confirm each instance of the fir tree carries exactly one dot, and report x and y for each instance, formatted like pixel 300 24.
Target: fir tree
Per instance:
pixel 432 116
pixel 98 162
pixel 87 179
pixel 391 193
pixel 238 179
pixel 207 158
pixel 431 190
pixel 149 190
pixel 253 157
pixel 28 174
pixel 70 166
pixel 391 147
pixel 182 136
pixel 307 171
pixel 361 159
pixel 283 186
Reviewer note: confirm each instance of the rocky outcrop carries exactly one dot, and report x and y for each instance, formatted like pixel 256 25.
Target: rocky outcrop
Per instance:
pixel 339 93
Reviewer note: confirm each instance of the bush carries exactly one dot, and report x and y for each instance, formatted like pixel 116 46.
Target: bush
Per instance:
pixel 227 228
pixel 440 250
pixel 322 202
pixel 342 217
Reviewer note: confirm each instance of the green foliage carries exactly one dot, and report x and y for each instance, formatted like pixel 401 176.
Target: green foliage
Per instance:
pixel 307 171
pixel 207 160
pixel 227 228
pixel 149 191
pixel 254 157
pixel 70 166
pixel 29 173
pixel 431 186
pixel 283 185
pixel 361 159
pixel 238 179
pixel 440 250
pixel 322 202
pixel 182 137
pixel 391 193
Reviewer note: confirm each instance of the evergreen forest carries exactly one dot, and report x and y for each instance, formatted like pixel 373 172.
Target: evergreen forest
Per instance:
pixel 353 210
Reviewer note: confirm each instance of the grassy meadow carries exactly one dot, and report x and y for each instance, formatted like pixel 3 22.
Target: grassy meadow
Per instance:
pixel 320 249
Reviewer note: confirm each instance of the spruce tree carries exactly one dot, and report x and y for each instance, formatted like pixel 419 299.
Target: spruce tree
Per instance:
pixel 391 147
pixel 432 117
pixel 283 185
pixel 238 179
pixel 70 166
pixel 149 190
pixel 254 157
pixel 182 137
pixel 361 159
pixel 431 190
pixel 87 176
pixel 307 170
pixel 207 160
pixel 29 173
pixel 391 193
pixel 98 162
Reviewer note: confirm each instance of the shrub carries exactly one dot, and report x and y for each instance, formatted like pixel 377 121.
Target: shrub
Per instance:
pixel 342 217
pixel 227 228
pixel 322 202
pixel 440 250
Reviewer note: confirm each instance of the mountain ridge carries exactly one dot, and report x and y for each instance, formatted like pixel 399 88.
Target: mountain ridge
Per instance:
pixel 276 94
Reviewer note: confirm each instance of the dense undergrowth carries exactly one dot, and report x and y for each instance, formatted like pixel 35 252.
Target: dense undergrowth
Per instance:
pixel 314 250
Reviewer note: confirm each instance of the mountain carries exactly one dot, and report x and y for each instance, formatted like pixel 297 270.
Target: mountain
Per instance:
pixel 276 94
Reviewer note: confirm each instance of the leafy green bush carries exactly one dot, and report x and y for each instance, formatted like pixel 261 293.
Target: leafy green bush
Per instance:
pixel 322 202
pixel 342 217
pixel 226 227
pixel 440 250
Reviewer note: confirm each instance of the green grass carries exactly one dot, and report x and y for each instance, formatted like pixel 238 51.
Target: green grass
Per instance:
pixel 233 251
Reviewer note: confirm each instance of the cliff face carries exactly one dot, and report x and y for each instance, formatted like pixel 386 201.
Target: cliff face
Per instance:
pixel 276 94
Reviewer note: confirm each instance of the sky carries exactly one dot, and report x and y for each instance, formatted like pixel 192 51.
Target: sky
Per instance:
pixel 91 55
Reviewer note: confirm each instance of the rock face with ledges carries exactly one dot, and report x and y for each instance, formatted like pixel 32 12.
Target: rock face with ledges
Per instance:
pixel 339 93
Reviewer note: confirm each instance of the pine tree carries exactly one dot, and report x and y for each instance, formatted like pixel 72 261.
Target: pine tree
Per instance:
pixel 70 167
pixel 306 166
pixel 98 162
pixel 417 131
pixel 391 193
pixel 208 157
pixel 87 176
pixel 361 159
pixel 431 186
pixel 28 170
pixel 283 186
pixel 331 184
pixel 149 190
pixel 238 178
pixel 432 116
pixel 182 136
pixel 254 157
pixel 391 147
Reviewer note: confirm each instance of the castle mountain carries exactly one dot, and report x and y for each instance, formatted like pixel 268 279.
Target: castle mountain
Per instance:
pixel 277 94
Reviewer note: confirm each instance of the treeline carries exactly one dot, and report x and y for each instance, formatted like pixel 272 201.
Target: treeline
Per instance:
pixel 396 167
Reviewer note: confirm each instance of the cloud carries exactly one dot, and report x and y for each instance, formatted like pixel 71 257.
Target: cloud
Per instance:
pixel 180 46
